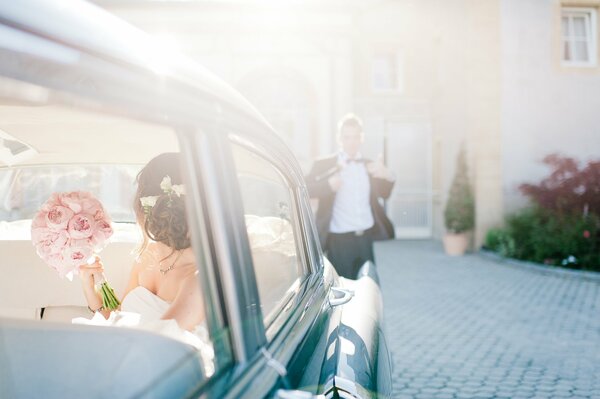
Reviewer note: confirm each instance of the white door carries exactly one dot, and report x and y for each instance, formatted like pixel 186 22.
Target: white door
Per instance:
pixel 408 153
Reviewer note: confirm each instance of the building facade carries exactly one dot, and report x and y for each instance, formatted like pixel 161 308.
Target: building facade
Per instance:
pixel 511 80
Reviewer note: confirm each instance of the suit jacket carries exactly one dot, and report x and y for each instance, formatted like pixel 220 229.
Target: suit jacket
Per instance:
pixel 318 187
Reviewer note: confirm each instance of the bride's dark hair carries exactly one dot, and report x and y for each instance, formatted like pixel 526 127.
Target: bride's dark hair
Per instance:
pixel 165 221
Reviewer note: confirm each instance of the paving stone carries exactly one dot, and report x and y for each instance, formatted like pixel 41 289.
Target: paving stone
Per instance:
pixel 505 392
pixel 409 391
pixel 524 392
pixel 544 388
pixel 430 391
pixel 480 327
pixel 582 392
pixel 487 391
pixel 463 395
pixel 561 395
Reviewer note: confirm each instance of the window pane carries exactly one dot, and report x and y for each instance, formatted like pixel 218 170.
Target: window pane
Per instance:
pixel 270 220
pixel 581 51
pixel 22 190
pixel 567 51
pixel 565 26
pixel 579 27
pixel 578 37
pixel 383 70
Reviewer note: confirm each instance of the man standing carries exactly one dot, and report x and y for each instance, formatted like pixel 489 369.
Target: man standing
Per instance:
pixel 348 188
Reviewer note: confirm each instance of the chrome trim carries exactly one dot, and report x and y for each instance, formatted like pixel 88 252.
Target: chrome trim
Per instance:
pixel 295 394
pixel 341 296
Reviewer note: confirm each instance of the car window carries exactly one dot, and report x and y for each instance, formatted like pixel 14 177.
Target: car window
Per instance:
pixel 23 189
pixel 272 227
pixel 95 155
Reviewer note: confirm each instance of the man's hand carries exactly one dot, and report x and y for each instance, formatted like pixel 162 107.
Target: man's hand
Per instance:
pixel 335 182
pixel 378 170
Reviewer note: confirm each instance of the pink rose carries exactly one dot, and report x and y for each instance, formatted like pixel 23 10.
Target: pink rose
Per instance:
pixel 39 221
pixel 57 262
pixel 102 233
pixel 71 200
pixel 586 234
pixel 68 229
pixel 58 217
pixel 77 253
pixel 98 214
pixel 49 242
pixel 81 226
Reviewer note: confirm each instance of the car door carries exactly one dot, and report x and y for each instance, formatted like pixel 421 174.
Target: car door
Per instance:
pixel 286 262
pixel 315 339
pixel 271 271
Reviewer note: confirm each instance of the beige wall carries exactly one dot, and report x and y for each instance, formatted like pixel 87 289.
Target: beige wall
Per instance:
pixel 293 64
pixel 546 107
pixel 448 82
pixel 452 70
pixel 483 72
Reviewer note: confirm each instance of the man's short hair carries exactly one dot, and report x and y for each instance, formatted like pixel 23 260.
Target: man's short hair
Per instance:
pixel 350 120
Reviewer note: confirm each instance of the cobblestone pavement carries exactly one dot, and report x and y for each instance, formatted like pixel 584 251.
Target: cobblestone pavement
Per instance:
pixel 474 327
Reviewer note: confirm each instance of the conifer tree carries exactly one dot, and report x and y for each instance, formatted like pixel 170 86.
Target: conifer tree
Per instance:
pixel 459 215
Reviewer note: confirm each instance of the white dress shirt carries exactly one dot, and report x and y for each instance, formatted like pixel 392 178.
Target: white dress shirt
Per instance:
pixel 352 207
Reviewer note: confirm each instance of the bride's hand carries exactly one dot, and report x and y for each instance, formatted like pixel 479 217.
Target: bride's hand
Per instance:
pixel 88 271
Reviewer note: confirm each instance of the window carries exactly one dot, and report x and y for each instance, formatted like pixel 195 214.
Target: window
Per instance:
pixel 579 36
pixel 23 189
pixel 269 210
pixel 386 72
pixel 70 149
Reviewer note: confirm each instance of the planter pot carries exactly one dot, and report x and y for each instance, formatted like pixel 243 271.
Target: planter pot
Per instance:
pixel 456 244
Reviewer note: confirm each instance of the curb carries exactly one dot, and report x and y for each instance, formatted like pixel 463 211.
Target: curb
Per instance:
pixel 539 268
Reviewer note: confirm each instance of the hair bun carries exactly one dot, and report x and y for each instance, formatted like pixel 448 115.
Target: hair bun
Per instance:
pixel 167 223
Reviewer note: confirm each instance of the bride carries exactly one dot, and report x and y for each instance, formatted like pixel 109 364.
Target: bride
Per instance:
pixel 163 284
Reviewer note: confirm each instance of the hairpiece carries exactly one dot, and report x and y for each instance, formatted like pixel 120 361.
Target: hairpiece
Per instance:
pixel 168 188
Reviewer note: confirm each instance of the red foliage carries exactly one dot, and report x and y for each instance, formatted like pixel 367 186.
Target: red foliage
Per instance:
pixel 568 189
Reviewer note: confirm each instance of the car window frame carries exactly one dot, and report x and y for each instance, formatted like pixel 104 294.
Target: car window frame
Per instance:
pixel 263 151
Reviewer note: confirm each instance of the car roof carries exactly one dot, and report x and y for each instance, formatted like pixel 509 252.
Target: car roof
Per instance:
pixel 75 47
pixel 83 25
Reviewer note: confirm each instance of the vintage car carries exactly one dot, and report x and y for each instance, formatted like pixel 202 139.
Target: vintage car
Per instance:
pixel 85 101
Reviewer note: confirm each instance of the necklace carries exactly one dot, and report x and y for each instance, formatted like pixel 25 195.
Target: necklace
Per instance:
pixel 168 269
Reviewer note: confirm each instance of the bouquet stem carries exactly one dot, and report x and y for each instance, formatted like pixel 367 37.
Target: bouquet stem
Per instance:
pixel 109 299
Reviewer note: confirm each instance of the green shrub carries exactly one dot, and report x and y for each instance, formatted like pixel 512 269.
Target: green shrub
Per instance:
pixel 543 236
pixel 500 241
pixel 562 227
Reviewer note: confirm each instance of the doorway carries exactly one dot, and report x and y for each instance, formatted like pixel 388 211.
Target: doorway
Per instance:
pixel 408 153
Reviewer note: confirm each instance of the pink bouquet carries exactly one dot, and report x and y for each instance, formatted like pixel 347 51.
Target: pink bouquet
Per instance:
pixel 68 230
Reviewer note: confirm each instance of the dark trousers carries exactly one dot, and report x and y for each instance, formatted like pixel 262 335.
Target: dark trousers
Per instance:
pixel 347 252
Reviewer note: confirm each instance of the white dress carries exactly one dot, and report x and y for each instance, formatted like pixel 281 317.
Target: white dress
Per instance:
pixel 144 302
pixel 143 309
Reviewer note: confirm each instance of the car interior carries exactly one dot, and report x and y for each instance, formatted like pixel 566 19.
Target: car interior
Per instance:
pixel 44 149
pixel 50 148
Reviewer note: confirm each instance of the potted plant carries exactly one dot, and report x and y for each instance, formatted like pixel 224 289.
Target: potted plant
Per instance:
pixel 459 215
